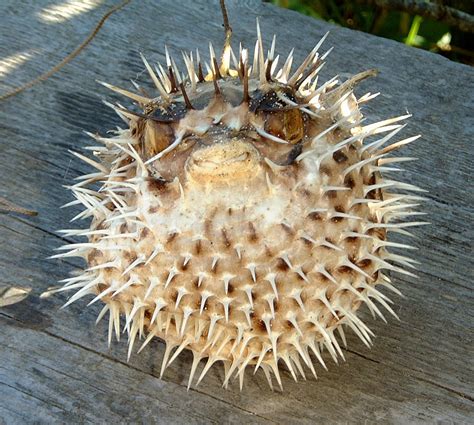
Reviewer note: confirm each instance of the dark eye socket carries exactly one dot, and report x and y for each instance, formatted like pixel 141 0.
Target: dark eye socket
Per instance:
pixel 270 101
pixel 262 102
pixel 172 113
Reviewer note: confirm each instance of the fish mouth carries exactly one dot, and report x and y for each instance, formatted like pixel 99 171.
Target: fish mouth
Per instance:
pixel 223 161
pixel 210 164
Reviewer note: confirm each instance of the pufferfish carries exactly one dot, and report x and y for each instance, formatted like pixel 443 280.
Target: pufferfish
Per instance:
pixel 242 214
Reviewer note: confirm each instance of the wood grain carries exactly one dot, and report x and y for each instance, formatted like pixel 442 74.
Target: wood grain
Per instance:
pixel 55 366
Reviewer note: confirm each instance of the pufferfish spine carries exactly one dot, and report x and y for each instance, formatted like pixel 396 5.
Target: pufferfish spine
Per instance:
pixel 242 214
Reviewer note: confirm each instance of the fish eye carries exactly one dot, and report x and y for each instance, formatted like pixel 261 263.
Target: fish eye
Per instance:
pixel 281 118
pixel 285 124
pixel 154 136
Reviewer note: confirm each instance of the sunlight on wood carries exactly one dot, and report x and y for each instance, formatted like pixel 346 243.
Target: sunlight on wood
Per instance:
pixel 64 11
pixel 12 62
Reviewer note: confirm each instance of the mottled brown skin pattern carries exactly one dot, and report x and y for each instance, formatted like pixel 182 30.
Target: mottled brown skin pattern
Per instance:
pixel 242 219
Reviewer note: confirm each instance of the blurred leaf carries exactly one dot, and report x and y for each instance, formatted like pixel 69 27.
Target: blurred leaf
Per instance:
pixel 444 42
pixel 411 39
pixel 385 22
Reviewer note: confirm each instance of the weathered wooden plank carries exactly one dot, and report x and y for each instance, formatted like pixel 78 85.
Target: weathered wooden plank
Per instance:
pixel 355 382
pixel 88 384
pixel 419 369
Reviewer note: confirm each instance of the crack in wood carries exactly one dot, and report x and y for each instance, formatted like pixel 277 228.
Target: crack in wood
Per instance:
pixel 47 402
pixel 114 360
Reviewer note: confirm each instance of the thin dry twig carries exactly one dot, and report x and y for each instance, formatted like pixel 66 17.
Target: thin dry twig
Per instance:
pixel 7 206
pixel 227 27
pixel 68 58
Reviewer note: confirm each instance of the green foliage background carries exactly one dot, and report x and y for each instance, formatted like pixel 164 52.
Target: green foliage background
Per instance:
pixel 404 27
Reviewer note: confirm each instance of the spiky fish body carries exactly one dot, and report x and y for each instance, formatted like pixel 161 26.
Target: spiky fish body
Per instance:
pixel 243 214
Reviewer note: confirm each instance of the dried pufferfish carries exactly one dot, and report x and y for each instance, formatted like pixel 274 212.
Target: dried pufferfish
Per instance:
pixel 242 214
